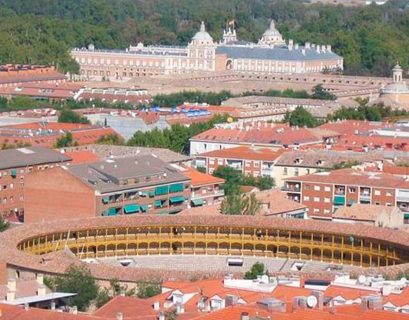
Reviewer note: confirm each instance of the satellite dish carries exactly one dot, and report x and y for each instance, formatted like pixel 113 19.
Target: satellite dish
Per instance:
pixel 361 279
pixel 312 301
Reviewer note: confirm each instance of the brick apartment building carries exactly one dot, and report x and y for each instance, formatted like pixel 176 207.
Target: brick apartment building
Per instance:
pixel 15 166
pixel 111 187
pixel 206 189
pixel 248 160
pixel 325 192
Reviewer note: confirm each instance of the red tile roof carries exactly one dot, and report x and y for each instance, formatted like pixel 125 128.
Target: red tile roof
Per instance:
pixel 263 133
pixel 84 156
pixel 245 152
pixel 201 179
pixel 355 178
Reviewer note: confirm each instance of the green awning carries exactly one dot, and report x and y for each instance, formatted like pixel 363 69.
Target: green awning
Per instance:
pixel 151 194
pixel 339 200
pixel 105 200
pixel 197 202
pixel 176 199
pixel 406 215
pixel 161 190
pixel 132 208
pixel 112 212
pixel 158 203
pixel 13 172
pixel 177 187
pixel 144 207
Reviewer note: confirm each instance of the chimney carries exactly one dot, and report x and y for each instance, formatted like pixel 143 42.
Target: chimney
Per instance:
pixel 307 45
pixel 371 303
pixel 53 305
pixel 299 303
pixel 244 316
pixel 320 298
pixel 42 290
pixel 26 306
pixel 40 278
pixel 161 316
pixel 74 310
pixel 180 308
pixel 329 48
pixel 12 284
pixel 119 316
pixel 156 305
pixel 303 51
pixel 11 295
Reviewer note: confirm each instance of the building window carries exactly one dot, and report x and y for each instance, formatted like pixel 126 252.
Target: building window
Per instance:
pixel 296 172
pixel 377 193
pixel 327 189
pixel 285 171
pixel 317 188
pixel 327 200
pixel 351 189
pixel 316 199
pixel 306 198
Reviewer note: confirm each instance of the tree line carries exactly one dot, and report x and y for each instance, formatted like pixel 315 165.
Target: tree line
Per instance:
pixel 370 38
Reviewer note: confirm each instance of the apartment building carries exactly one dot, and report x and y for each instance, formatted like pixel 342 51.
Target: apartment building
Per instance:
pixel 324 192
pixel 296 163
pixel 15 166
pixel 247 160
pixel 144 185
pixel 206 189
pixel 259 135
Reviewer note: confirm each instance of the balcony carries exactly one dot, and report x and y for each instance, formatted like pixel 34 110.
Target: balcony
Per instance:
pixel 289 188
pixel 211 194
pixel 339 190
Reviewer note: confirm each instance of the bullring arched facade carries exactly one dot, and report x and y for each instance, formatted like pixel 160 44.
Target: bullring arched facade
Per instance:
pixel 208 239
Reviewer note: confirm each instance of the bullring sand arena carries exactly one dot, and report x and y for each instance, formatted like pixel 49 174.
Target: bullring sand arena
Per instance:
pixel 135 248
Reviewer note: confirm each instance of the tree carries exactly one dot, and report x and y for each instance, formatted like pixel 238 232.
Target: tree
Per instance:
pixel 111 139
pixel 321 94
pixel 232 177
pixel 77 279
pixel 148 289
pixel 240 204
pixel 257 269
pixel 301 118
pixel 69 116
pixel 265 182
pixel 4 225
pixel 65 140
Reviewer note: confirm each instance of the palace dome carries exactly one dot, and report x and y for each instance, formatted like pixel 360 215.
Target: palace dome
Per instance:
pixel 272 31
pixel 202 35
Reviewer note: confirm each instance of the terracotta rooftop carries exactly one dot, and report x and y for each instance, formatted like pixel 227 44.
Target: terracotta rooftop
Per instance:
pixel 274 202
pixel 200 179
pixel 79 157
pixel 365 212
pixel 355 178
pixel 245 152
pixel 263 134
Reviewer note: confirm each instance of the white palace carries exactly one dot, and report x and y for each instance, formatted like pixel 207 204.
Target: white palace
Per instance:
pixel 270 55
